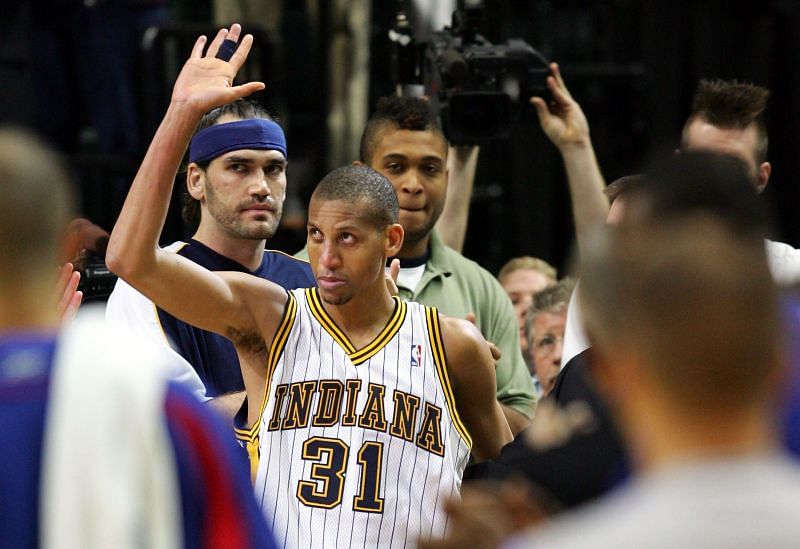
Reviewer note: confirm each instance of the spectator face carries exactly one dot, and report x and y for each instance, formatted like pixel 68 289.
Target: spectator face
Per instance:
pixel 521 285
pixel 741 143
pixel 416 164
pixel 546 345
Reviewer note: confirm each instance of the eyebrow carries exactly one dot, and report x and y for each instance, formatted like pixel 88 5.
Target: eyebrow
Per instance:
pixel 429 158
pixel 249 160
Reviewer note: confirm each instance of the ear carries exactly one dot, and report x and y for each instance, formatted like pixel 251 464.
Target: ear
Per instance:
pixel 394 239
pixel 358 163
pixel 764 171
pixel 195 180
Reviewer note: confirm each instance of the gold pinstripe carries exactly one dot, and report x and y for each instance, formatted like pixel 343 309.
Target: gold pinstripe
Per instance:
pixel 435 336
pixel 362 355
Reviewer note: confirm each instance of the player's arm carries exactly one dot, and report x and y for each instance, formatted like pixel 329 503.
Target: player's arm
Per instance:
pixel 471 372
pixel 211 301
pixel 565 125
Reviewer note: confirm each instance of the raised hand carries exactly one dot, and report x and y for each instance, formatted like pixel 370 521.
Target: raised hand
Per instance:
pixel 206 81
pixel 562 120
pixel 391 276
pixel 67 288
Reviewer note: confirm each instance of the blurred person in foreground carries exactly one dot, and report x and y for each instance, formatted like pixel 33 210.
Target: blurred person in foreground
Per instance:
pixel 97 448
pixel 686 351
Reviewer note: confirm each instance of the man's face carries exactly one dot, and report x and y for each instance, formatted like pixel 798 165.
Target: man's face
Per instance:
pixel 547 342
pixel 416 164
pixel 521 285
pixel 741 143
pixel 346 252
pixel 244 192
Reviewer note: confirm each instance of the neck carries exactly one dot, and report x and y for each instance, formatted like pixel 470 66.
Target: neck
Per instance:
pixel 245 251
pixel 28 308
pixel 364 314
pixel 658 439
pixel 411 250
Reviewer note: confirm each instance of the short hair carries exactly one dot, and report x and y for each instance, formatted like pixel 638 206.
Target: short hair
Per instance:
pixel 361 185
pixel 552 299
pixel 242 109
pixel 700 182
pixel 620 186
pixel 33 180
pixel 527 262
pixel 694 299
pixel 732 104
pixel 400 113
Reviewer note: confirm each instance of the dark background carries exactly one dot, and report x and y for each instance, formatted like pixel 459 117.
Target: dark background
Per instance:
pixel 632 65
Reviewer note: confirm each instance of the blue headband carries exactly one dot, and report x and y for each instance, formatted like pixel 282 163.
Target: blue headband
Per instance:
pixel 257 133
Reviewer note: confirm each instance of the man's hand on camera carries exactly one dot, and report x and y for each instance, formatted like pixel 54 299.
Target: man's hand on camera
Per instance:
pixel 562 120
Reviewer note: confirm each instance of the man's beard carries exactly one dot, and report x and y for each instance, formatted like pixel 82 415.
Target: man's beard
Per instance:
pixel 341 300
pixel 233 223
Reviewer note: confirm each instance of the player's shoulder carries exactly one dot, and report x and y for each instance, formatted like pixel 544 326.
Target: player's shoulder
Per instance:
pixel 286 271
pixel 460 335
pixel 282 258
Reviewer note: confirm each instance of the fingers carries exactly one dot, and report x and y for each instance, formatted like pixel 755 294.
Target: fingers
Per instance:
pixel 72 308
pixel 470 317
pixel 197 50
pixel 246 89
pixel 561 97
pixel 557 76
pixel 541 108
pixel 394 269
pixel 234 32
pixel 239 56
pixel 391 277
pixel 213 48
pixel 64 273
pixel 67 287
pixel 497 354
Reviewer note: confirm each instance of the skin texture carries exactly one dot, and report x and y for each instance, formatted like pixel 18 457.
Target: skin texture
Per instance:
pixel 347 254
pixel 521 285
pixel 416 164
pixel 741 143
pixel 547 341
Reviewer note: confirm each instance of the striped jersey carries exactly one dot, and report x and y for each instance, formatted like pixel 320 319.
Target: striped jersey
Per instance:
pixel 357 447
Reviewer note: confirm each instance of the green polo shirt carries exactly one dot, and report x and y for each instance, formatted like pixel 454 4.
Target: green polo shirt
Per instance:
pixel 456 286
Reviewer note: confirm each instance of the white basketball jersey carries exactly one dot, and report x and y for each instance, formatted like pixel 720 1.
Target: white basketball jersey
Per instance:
pixel 357 448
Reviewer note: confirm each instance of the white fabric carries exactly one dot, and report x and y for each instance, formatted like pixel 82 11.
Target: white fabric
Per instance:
pixel 784 262
pixel 412 481
pixel 108 472
pixel 745 502
pixel 130 311
pixel 409 277
pixel 575 340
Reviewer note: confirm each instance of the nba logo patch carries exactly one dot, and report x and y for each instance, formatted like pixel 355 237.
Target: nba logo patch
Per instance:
pixel 416 355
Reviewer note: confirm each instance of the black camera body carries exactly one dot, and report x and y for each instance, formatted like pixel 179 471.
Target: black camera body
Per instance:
pixel 97 281
pixel 476 87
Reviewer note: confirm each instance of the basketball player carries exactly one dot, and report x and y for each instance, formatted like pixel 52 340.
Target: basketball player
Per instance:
pixel 359 424
pixel 97 449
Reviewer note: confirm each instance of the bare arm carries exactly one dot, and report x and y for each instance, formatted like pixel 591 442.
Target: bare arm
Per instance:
pixel 471 370
pixel 219 302
pixel 565 125
pixel 452 225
